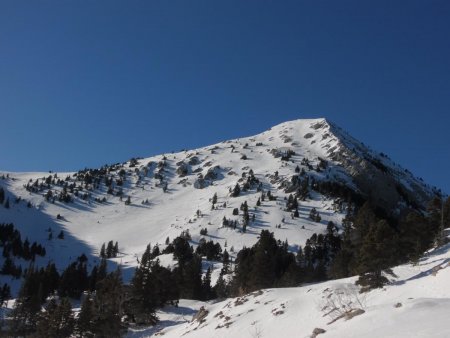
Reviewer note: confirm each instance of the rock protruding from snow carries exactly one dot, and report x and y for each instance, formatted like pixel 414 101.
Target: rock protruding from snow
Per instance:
pixel 317 331
pixel 200 183
pixel 200 315
pixel 213 173
pixel 183 169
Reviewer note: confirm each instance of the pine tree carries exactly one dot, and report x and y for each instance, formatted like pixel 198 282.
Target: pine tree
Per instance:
pixel 236 190
pixel 109 249
pixel 102 270
pixel 116 249
pixel 225 222
pixel 8 267
pixel 263 272
pixel 27 305
pixel 26 254
pixel 221 288
pixel 103 251
pixel 190 278
pixel 74 280
pixel 376 254
pixel 108 306
pixel 2 195
pixel 50 279
pixel 86 318
pixel 5 294
pixel 57 321
pixel 128 201
pixel 439 219
pixel 7 203
pixel 268 263
pixel 207 291
pixel 182 250
pixel 245 217
pixel 344 261
pixel 225 262
pixel 362 222
pixel 415 236
pixel 43 319
pixel 144 298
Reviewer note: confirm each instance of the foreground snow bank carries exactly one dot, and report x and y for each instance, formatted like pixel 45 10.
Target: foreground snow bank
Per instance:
pixel 415 304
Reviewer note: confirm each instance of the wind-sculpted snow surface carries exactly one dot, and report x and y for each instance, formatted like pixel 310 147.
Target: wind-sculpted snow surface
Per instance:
pixel 414 304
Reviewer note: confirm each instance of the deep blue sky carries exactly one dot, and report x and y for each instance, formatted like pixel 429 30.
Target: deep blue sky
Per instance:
pixel 84 83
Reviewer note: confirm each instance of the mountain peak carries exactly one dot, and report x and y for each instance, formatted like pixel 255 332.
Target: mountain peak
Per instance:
pixel 293 181
pixel 170 193
pixel 304 123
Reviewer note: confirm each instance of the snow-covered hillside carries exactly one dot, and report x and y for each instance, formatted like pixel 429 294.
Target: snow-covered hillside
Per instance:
pixel 415 304
pixel 203 191
pixel 170 193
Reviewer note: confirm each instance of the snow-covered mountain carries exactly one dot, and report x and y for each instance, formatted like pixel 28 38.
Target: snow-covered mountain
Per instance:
pixel 171 193
pixel 201 191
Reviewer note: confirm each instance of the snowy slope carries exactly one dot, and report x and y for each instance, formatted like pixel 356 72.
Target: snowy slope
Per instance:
pixel 415 304
pixel 88 223
pixel 177 190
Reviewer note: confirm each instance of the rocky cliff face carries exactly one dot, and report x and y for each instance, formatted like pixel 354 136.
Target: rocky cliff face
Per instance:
pixel 377 176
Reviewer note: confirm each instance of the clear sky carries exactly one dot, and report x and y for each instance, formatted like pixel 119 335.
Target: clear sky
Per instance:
pixel 85 83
